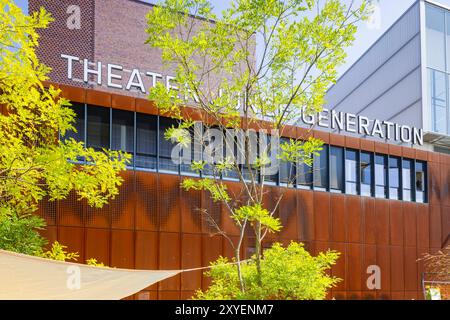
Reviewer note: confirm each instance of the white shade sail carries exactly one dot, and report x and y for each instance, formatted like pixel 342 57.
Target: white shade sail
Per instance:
pixel 25 277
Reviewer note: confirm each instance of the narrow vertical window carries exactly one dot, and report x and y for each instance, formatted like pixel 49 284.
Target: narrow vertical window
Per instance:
pixel 169 157
pixel 407 179
pixel 98 126
pixel 438 99
pixel 337 169
pixel 271 171
pixel 79 125
pixel 320 171
pixel 366 165
pixel 435 35
pixel 420 181
pixel 123 131
pixel 380 176
pixel 351 172
pixel 146 141
pixel 304 176
pixel 394 178
pixel 287 169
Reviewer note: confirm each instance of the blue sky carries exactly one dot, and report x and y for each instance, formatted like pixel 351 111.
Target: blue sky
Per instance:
pixel 388 11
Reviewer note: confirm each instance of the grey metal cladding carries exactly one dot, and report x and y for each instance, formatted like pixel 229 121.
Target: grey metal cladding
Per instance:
pixel 387 45
pixel 398 97
pixel 387 76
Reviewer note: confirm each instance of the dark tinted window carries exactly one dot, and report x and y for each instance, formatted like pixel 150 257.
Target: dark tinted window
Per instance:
pixel 407 179
pixel 351 172
pixel 420 180
pixel 166 147
pixel 79 124
pixel 320 169
pixel 337 169
pixel 366 165
pixel 394 178
pixel 123 131
pixel 98 120
pixel 380 176
pixel 287 169
pixel 146 141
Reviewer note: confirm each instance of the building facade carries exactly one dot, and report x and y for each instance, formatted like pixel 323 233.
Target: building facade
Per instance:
pixel 376 202
pixel 403 77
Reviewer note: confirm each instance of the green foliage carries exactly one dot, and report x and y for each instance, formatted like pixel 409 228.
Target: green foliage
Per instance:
pixel 58 252
pixel 289 273
pixel 94 262
pixel 217 189
pixel 257 214
pixel 33 161
pixel 19 233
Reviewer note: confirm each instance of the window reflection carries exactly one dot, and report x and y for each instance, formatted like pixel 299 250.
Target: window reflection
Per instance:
pixel 320 171
pixel 420 181
pixel 407 166
pixel 351 172
pixel 98 120
pixel 380 176
pixel 146 141
pixel 366 164
pixel 394 178
pixel 337 169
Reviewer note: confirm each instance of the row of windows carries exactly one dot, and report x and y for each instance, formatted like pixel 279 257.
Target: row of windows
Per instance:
pixel 336 169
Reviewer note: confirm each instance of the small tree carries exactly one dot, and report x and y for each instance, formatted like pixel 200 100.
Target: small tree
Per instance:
pixel 34 162
pixel 259 67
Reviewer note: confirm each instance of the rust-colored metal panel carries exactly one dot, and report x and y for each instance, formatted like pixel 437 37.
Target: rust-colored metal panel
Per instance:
pixel 169 202
pixel 354 219
pixel 146 252
pixel 435 227
pixel 122 249
pixel 98 244
pixel 434 183
pixel 168 295
pixel 169 259
pixel 354 295
pixel 408 152
pixel 191 214
pixel 305 207
pixel 370 220
pixel 351 142
pixel 122 208
pixel 322 216
pixel 395 150
pixel 211 214
pixel 123 102
pixel 382 224
pixel 383 295
pixel 337 140
pixel 98 217
pixel 423 226
pixel 445 184
pixel 187 295
pixel 211 250
pixel 339 295
pixel 235 190
pixel 47 210
pixel 397 295
pixel 51 234
pixel 396 223
pixel 411 283
pixel 73 93
pixel 384 262
pixel 71 211
pixel 354 266
pixel 410 223
pixel 397 269
pixel 382 148
pixel 147 217
pixel 98 98
pixel 304 133
pixel 413 295
pixel 73 238
pixel 338 270
pixel 338 218
pixel 368 295
pixel 288 214
pixel 421 155
pixel 444 158
pixel 146 106
pixel 322 135
pixel 367 145
pixel 227 248
pixel 369 259
pixel 191 257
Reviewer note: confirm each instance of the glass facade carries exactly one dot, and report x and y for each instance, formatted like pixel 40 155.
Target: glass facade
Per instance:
pixel 438 66
pixel 335 169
